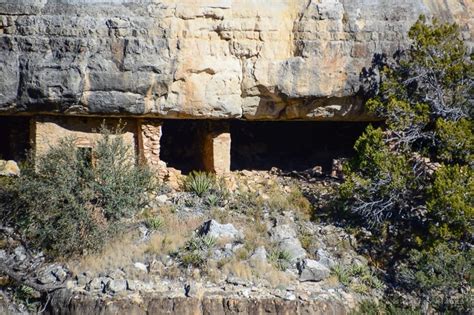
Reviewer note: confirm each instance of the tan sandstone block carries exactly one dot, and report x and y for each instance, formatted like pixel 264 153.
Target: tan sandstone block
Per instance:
pixel 216 151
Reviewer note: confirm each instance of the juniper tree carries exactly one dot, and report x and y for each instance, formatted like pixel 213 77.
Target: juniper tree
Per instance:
pixel 412 181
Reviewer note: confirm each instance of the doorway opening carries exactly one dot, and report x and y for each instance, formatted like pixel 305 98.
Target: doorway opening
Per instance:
pixel 14 138
pixel 181 145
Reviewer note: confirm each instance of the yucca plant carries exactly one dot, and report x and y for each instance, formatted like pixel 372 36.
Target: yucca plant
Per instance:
pixel 199 182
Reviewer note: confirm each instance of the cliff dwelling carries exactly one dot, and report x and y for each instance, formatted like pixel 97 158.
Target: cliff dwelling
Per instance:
pixel 216 146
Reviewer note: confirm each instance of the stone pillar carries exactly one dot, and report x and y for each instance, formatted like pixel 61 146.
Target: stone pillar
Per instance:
pixel 149 142
pixel 216 148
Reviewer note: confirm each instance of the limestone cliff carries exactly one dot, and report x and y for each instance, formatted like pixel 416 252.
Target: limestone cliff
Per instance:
pixel 252 59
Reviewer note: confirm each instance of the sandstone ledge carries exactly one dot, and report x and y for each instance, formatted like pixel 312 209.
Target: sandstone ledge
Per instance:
pixel 66 303
pixel 275 60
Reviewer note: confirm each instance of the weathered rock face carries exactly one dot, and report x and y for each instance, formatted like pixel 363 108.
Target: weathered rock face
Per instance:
pixel 285 59
pixel 64 303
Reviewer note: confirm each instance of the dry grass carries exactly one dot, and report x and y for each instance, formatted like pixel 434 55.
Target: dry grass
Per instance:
pixel 222 216
pixel 238 269
pixel 120 252
pixel 175 233
pixel 255 273
pixel 291 199
pixel 255 236
pixel 274 276
pixel 124 251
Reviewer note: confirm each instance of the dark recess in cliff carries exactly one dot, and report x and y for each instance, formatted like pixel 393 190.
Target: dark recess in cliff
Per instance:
pixel 181 145
pixel 14 138
pixel 291 145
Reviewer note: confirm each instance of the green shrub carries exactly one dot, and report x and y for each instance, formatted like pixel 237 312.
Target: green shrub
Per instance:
pixel 27 297
pixel 357 277
pixel 154 223
pixel 455 141
pixel 199 182
pixel 369 307
pixel 72 200
pixel 380 184
pixel 280 259
pixel 411 181
pixel 342 274
pixel 442 276
pixel 450 204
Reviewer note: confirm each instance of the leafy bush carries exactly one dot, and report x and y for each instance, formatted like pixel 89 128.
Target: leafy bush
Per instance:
pixel 199 182
pixel 411 182
pixel 455 141
pixel 72 200
pixel 368 307
pixel 450 204
pixel 27 297
pixel 442 276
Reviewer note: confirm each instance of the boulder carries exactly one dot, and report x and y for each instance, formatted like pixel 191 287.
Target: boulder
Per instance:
pixel 9 168
pixel 141 266
pixel 52 273
pixel 98 284
pixel 20 253
pixel 82 279
pixel 46 278
pixel 285 237
pixel 116 286
pixel 59 273
pixel 281 232
pixel 311 270
pixel 162 199
pixel 325 258
pixel 220 231
pixel 293 247
pixel 117 274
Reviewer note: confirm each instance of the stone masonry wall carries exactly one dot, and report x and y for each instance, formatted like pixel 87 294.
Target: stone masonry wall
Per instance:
pixel 48 131
pixel 149 142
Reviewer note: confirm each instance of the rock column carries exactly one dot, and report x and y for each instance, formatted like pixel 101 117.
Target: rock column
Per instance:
pixel 216 148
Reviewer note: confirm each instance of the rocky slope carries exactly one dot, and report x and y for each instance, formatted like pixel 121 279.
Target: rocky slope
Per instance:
pixel 285 59
pixel 257 253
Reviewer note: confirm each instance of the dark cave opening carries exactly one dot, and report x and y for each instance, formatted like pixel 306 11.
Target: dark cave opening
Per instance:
pixel 14 138
pixel 181 144
pixel 291 145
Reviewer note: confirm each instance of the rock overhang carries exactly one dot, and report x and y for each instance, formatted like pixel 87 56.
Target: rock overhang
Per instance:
pixel 255 60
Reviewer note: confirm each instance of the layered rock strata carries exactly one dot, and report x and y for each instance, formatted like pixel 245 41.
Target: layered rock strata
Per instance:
pixel 219 59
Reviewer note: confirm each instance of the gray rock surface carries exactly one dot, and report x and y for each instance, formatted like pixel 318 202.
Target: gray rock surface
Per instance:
pixel 293 247
pixel 259 256
pixel 220 231
pixel 98 284
pixel 141 266
pixel 285 237
pixel 311 270
pixel 117 286
pixel 325 258
pixel 222 59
